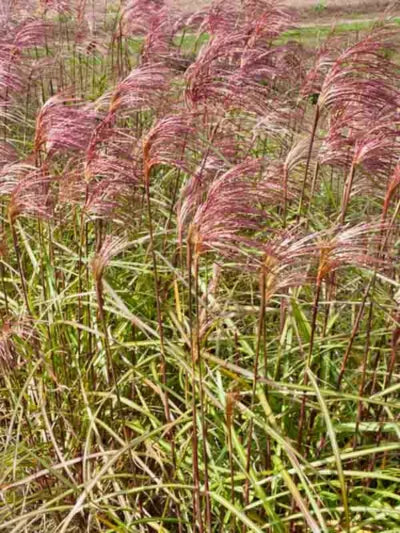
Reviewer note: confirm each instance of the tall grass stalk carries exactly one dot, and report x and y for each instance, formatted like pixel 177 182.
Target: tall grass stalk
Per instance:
pixel 199 270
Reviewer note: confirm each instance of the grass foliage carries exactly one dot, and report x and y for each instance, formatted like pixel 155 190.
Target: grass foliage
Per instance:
pixel 199 274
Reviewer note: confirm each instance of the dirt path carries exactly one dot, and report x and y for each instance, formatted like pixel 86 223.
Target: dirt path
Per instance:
pixel 327 23
pixel 322 12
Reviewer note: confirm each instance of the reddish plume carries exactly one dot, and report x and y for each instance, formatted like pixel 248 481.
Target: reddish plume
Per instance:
pixel 143 89
pixel 349 246
pixel 285 261
pixel 8 154
pixel 32 197
pixel 391 188
pixel 112 246
pixel 171 141
pixel 64 124
pixel 233 205
pixel 12 331
pixel 362 74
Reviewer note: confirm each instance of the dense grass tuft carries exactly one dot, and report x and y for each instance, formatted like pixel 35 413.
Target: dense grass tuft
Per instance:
pixel 199 274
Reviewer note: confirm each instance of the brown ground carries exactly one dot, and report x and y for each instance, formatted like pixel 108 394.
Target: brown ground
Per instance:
pixel 325 10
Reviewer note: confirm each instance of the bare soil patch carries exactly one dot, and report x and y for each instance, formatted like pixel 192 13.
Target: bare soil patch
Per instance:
pixel 325 10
